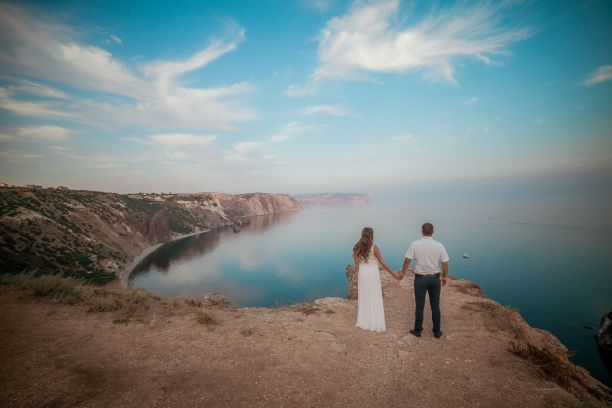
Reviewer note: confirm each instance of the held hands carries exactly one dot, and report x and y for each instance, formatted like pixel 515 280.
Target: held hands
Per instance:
pixel 400 275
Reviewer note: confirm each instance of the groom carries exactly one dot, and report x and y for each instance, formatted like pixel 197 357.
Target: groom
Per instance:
pixel 427 254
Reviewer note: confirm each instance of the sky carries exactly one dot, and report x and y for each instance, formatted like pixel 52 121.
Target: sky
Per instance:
pixel 306 96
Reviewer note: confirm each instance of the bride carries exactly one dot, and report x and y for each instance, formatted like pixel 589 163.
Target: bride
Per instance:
pixel 370 310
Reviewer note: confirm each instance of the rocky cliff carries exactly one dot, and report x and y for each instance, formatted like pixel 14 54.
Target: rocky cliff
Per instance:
pixel 332 198
pixel 242 205
pixel 94 234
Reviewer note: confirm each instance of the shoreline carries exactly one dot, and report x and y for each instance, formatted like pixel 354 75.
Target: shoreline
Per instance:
pixel 125 273
pixel 129 268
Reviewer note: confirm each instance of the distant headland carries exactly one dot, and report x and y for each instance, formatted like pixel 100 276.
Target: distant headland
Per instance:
pixel 332 198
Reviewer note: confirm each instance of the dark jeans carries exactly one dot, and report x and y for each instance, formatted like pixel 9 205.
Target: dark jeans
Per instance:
pixel 431 285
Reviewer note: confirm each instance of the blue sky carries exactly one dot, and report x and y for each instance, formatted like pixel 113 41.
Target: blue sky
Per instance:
pixel 303 96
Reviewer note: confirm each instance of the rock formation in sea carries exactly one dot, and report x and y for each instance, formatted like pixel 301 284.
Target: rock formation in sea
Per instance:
pixel 94 234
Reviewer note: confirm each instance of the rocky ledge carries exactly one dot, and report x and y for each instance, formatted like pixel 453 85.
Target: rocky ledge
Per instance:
pixel 102 346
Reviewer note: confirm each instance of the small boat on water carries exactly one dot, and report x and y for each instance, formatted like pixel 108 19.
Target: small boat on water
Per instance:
pixel 466 256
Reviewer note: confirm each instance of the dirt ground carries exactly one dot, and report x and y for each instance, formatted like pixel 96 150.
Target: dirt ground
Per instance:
pixel 58 355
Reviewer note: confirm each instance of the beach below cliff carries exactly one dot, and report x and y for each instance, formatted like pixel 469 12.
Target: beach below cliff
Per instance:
pixel 101 346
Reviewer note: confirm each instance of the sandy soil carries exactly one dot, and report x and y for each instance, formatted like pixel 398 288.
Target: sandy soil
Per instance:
pixel 59 355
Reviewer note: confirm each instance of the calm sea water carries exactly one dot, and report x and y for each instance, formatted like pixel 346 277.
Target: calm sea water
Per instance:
pixel 523 254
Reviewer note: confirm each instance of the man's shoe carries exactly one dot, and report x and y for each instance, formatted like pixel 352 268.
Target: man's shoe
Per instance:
pixel 414 333
pixel 438 335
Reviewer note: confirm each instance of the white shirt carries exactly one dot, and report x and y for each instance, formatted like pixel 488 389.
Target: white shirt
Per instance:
pixel 427 254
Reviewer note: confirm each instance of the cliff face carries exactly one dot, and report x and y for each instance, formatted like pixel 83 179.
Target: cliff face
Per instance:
pixel 94 234
pixel 245 205
pixel 332 198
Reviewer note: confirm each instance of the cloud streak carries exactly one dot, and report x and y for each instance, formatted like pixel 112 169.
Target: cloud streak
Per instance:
pixel 601 74
pixel 290 129
pixel 150 94
pixel 370 40
pixel 331 110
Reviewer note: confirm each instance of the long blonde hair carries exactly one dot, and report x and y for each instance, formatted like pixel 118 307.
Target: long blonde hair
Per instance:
pixel 362 248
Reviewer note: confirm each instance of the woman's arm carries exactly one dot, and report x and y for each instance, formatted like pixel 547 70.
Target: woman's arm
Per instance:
pixel 382 262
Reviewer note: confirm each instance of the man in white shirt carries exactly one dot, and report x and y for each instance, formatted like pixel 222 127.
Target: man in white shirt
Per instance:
pixel 428 254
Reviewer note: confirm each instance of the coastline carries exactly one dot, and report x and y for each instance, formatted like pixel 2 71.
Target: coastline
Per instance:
pixel 125 273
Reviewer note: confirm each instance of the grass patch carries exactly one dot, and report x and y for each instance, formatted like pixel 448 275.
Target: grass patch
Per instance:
pixel 306 308
pixel 552 364
pixel 124 303
pixel 499 318
pixel 556 366
pixel 46 285
pixel 203 317
pixel 469 288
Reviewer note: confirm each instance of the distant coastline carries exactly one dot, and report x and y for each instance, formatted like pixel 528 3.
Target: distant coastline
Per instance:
pixel 332 198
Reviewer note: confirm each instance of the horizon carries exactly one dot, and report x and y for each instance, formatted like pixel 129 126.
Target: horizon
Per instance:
pixel 371 97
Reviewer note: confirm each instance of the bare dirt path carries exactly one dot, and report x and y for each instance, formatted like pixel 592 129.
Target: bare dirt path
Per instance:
pixel 60 355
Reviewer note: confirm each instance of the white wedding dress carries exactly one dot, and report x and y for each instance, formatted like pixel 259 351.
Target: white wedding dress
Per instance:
pixel 370 310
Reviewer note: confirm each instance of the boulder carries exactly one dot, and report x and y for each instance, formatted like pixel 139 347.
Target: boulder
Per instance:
pixel 338 347
pixel 604 341
pixel 604 334
pixel 351 277
pixel 330 302
pixel 216 299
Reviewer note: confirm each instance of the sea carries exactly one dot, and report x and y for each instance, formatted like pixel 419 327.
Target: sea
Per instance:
pixel 547 258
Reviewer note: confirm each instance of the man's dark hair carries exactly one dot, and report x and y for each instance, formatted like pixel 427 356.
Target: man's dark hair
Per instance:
pixel 427 229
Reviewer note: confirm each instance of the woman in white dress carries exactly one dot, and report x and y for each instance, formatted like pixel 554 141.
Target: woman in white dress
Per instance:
pixel 367 257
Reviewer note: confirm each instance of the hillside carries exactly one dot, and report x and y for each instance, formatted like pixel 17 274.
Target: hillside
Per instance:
pixel 332 198
pixel 94 234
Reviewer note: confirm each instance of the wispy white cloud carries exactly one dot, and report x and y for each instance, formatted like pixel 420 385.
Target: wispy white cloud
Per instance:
pixel 290 129
pixel 18 155
pixel 33 88
pixel 318 5
pixel 540 121
pixel 246 146
pixel 36 109
pixel 44 133
pixel 332 110
pixel 371 39
pixel 48 51
pixel 470 101
pixel 115 39
pixel 599 75
pixel 181 140
pixel 403 138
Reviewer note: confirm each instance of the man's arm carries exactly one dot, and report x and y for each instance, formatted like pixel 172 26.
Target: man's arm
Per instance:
pixel 444 272
pixel 405 265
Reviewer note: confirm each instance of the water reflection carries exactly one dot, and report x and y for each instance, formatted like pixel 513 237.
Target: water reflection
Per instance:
pixel 183 250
